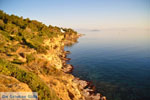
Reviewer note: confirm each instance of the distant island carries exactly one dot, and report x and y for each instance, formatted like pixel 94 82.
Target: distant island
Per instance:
pixel 33 59
pixel 95 30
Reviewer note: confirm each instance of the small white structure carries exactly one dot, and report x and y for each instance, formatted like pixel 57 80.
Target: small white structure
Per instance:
pixel 62 30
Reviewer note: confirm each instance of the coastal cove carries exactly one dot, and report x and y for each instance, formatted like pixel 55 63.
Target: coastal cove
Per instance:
pixel 115 61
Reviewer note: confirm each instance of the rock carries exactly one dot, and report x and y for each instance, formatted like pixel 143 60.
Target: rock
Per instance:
pixel 87 90
pixel 22 55
pixel 103 98
pixel 67 59
pixel 94 97
pixel 64 62
pixel 86 94
pixel 82 84
pixel 68 68
pixel 11 84
pixel 67 52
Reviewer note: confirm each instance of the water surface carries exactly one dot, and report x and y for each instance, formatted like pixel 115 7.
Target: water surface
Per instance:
pixel 117 62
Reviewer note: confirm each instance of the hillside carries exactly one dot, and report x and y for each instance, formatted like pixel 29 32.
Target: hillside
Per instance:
pixel 32 58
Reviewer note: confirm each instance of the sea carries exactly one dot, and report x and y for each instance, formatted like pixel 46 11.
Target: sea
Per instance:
pixel 117 62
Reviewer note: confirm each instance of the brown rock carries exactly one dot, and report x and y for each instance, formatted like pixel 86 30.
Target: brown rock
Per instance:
pixel 11 84
pixel 67 52
pixel 103 98
pixel 67 68
pixel 82 84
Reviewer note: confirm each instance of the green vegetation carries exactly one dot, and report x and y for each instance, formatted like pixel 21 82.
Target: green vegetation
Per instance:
pixel 33 81
pixel 30 57
pixel 29 32
pixel 21 40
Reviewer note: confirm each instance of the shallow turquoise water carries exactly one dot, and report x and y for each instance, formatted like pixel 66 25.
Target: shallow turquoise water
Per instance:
pixel 117 62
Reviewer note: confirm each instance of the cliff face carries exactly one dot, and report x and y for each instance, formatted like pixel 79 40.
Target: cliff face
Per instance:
pixel 66 86
pixel 48 67
pixel 55 51
pixel 62 83
pixel 43 67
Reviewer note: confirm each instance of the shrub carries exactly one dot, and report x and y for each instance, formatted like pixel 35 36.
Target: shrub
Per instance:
pixel 30 58
pixel 33 81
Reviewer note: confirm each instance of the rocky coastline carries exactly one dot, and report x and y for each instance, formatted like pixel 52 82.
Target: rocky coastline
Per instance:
pixel 86 88
pixel 32 58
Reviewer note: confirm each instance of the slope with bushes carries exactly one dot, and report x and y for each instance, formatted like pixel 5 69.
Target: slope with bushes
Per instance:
pixel 32 53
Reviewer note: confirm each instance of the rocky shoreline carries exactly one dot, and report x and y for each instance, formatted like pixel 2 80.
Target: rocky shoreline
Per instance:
pixel 32 57
pixel 86 88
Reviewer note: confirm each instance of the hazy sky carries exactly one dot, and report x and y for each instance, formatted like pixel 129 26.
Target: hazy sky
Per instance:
pixel 83 14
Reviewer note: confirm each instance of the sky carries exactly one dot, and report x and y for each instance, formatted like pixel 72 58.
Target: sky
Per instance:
pixel 83 14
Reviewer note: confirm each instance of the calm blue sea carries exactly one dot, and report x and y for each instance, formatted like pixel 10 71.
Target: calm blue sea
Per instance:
pixel 117 62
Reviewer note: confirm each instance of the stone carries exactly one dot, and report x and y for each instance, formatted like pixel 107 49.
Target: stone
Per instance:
pixel 67 68
pixel 103 98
